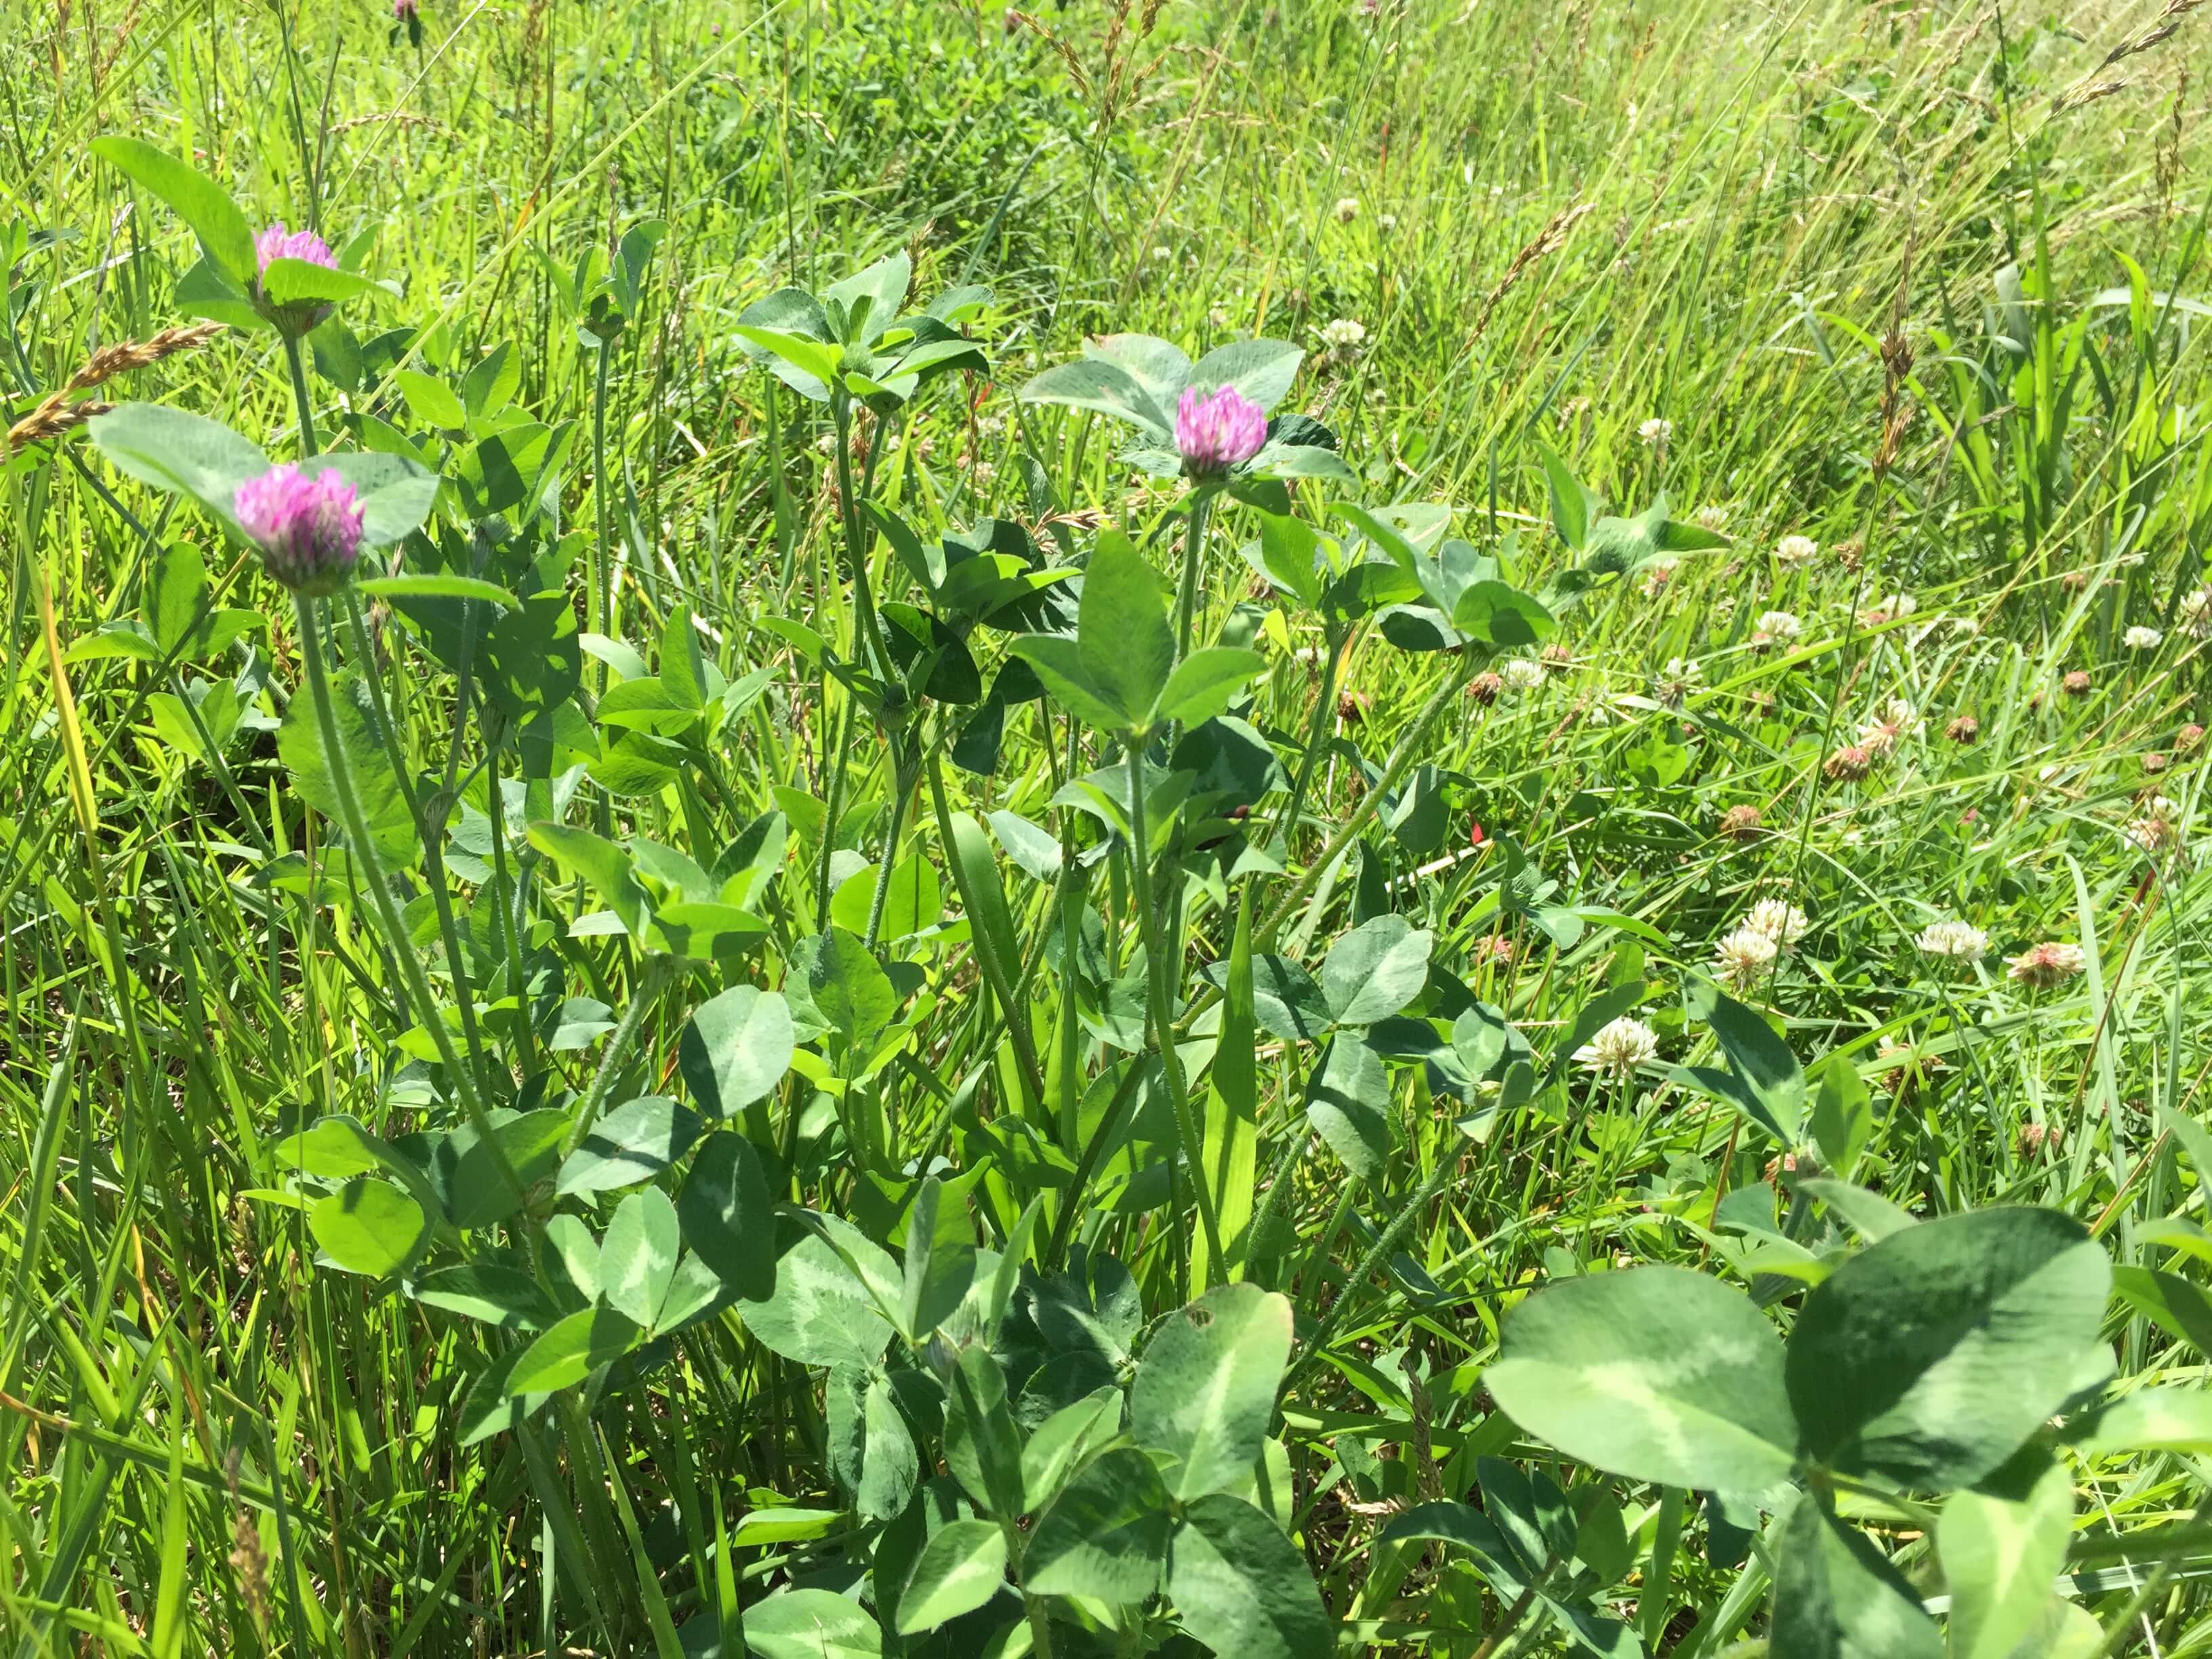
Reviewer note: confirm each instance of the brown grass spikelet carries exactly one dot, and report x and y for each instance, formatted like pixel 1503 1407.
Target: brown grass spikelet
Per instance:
pixel 1548 240
pixel 62 412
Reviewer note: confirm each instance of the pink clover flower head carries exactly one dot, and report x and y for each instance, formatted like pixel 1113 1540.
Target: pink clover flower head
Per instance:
pixel 1213 433
pixel 291 318
pixel 403 11
pixel 307 527
pixel 278 243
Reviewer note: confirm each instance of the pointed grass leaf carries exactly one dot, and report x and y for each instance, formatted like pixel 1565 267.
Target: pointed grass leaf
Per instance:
pixel 1836 1596
pixel 1206 1391
pixel 1243 1588
pixel 1658 1374
pixel 1930 1356
pixel 369 1227
pixel 961 1567
pixel 1105 1537
pixel 736 1047
pixel 728 1218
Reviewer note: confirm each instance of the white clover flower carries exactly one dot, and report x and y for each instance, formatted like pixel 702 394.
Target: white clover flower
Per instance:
pixel 1894 608
pixel 1655 431
pixel 1620 1047
pixel 2195 617
pixel 827 443
pixel 1743 957
pixel 1780 920
pixel 2154 833
pixel 1343 333
pixel 1346 209
pixel 1780 625
pixel 1796 550
pixel 1957 940
pixel 2140 638
pixel 1386 221
pixel 1520 673
pixel 1882 733
pixel 1713 517
pixel 1677 680
pixel 1657 574
pixel 2042 966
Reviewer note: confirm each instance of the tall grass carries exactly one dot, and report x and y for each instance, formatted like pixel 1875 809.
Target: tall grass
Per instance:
pixel 1555 224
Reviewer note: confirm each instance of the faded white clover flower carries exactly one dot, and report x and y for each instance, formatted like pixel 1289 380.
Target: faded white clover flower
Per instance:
pixel 1343 333
pixel 1386 221
pixel 2051 962
pixel 2140 638
pixel 1346 209
pixel 1881 733
pixel 1796 550
pixel 1713 517
pixel 1520 673
pixel 1779 920
pixel 1744 956
pixel 1620 1047
pixel 1677 680
pixel 1657 574
pixel 2196 614
pixel 2154 833
pixel 1780 625
pixel 1894 608
pixel 1957 940
pixel 1655 431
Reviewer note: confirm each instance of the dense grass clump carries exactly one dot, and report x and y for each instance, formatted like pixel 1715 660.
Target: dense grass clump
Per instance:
pixel 875 829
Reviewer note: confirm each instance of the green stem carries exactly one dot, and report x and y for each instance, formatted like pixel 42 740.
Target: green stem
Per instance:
pixel 1377 1254
pixel 904 773
pixel 1279 1183
pixel 1193 555
pixel 363 851
pixel 987 961
pixel 1160 982
pixel 1335 639
pixel 1410 747
pixel 602 599
pixel 878 660
pixel 301 401
pixel 643 995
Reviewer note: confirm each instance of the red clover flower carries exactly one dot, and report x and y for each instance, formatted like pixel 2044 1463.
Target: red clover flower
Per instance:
pixel 1217 433
pixel 306 525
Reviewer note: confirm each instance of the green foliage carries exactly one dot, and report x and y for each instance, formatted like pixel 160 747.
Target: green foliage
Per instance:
pixel 545 1122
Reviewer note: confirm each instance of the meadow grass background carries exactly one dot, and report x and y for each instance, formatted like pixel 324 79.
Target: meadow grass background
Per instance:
pixel 1554 223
